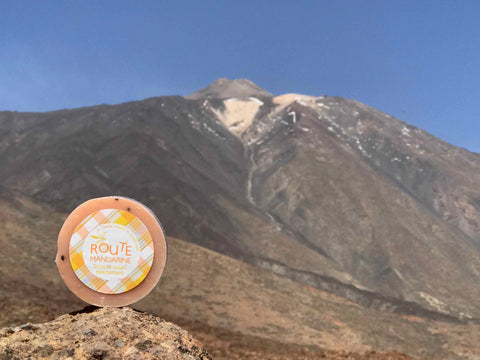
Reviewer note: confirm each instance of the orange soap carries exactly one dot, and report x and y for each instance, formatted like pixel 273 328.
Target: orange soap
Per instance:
pixel 111 251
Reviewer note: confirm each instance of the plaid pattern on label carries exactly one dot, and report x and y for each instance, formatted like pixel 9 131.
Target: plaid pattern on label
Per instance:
pixel 111 251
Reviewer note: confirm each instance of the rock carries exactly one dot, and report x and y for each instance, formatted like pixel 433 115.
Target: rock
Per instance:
pixel 90 332
pixel 119 343
pixel 106 333
pixel 28 327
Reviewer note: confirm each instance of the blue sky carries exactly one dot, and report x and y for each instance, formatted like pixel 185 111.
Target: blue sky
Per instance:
pixel 418 61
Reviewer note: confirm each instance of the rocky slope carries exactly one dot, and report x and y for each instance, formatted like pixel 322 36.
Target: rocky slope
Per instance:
pixel 106 333
pixel 230 306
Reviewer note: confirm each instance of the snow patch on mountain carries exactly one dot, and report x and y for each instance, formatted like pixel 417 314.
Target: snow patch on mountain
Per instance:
pixel 287 99
pixel 238 113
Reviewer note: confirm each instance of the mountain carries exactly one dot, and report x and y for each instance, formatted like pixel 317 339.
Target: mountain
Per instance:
pixel 324 191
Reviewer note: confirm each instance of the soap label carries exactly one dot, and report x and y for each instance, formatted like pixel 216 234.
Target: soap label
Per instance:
pixel 111 251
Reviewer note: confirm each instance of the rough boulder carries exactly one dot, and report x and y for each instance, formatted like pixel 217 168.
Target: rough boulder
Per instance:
pixel 101 333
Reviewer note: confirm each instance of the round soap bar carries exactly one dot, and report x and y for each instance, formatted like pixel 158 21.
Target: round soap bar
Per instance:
pixel 111 251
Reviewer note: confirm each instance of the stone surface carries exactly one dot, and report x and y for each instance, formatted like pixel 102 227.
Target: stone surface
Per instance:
pixel 101 333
